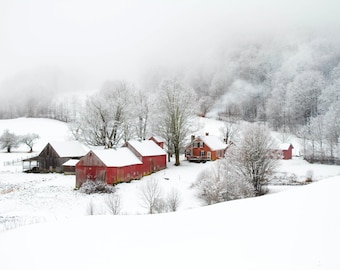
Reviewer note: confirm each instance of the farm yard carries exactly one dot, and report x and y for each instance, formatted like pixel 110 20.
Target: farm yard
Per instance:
pixel 31 198
pixel 297 226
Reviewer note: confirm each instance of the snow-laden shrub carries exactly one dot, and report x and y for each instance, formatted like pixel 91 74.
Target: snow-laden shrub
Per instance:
pixel 90 187
pixel 221 183
pixel 251 157
pixel 309 176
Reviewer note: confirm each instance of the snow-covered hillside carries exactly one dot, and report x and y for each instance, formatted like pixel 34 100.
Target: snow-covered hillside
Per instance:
pixel 295 229
pixel 298 228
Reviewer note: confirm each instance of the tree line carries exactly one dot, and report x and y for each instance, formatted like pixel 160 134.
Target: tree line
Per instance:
pixel 289 83
pixel 118 112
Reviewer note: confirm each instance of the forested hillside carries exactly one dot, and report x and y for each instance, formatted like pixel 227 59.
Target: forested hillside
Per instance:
pixel 291 82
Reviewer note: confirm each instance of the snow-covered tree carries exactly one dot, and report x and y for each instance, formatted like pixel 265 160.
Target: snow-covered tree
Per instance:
pixel 29 139
pixel 229 131
pixel 222 183
pixel 332 127
pixel 317 128
pixel 205 104
pixel 9 140
pixel 277 108
pixel 252 157
pixel 303 96
pixel 141 111
pixel 177 105
pixel 104 115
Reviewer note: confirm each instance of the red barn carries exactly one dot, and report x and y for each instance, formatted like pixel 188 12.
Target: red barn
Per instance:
pixel 204 148
pixel 286 150
pixel 109 165
pixel 152 156
pixel 159 141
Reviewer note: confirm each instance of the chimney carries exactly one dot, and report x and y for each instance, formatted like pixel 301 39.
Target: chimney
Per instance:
pixel 207 134
pixel 192 138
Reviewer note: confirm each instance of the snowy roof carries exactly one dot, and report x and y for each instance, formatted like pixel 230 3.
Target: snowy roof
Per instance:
pixel 147 148
pixel 158 139
pixel 117 157
pixel 69 149
pixel 284 146
pixel 213 142
pixel 71 162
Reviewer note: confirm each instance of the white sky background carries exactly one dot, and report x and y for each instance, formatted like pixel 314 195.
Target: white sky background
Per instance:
pixel 122 39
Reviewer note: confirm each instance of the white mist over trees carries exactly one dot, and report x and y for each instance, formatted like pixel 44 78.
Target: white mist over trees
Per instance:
pixel 289 80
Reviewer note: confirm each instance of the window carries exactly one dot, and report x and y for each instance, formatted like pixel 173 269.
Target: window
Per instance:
pixel 202 153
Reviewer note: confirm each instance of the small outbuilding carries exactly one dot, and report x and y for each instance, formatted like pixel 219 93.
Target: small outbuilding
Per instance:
pixel 159 141
pixel 69 167
pixel 205 148
pixel 109 165
pixel 55 154
pixel 286 150
pixel 150 154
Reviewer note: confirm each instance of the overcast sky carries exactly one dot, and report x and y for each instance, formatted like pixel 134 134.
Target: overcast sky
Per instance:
pixel 120 39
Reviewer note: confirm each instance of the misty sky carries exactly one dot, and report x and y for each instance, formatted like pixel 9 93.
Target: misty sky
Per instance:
pixel 100 40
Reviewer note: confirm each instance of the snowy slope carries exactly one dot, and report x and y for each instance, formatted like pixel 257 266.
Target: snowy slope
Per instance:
pixel 296 229
pixel 47 129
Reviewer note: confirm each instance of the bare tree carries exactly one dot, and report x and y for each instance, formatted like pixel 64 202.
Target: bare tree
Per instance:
pixel 9 140
pixel 151 195
pixel 90 208
pixel 252 157
pixel 173 199
pixel 177 105
pixel 229 131
pixel 141 111
pixel 29 139
pixel 113 204
pixel 285 136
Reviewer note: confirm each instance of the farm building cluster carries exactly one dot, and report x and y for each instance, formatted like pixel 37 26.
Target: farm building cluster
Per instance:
pixel 133 160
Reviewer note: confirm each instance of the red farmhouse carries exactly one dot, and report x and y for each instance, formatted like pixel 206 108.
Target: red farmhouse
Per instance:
pixel 204 148
pixel 109 165
pixel 152 156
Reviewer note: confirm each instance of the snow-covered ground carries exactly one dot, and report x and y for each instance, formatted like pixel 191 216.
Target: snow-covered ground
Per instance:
pixel 297 228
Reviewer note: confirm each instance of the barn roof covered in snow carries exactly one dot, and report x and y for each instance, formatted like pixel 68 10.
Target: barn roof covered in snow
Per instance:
pixel 69 148
pixel 119 157
pixel 213 142
pixel 159 138
pixel 285 146
pixel 71 162
pixel 147 148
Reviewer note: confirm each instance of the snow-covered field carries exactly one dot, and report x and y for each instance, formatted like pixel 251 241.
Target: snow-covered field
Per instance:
pixel 291 228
